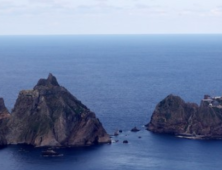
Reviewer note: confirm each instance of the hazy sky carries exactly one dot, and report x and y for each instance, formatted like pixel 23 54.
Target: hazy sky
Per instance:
pixel 110 16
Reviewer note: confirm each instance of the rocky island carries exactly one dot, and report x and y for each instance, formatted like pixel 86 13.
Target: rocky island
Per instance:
pixel 49 115
pixel 174 116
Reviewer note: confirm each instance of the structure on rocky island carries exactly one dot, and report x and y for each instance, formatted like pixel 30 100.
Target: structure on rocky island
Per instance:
pixel 213 101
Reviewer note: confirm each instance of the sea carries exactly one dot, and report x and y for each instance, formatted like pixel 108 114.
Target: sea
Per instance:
pixel 121 78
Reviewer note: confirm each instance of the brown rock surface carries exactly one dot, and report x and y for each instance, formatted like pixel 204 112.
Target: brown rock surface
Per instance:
pixel 4 117
pixel 49 115
pixel 173 116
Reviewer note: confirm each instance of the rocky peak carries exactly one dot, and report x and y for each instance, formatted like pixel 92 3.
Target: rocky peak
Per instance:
pixel 3 110
pixel 49 115
pixel 169 115
pixel 172 102
pixel 2 104
pixel 51 81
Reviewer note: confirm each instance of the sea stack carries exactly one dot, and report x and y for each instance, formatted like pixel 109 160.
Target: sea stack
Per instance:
pixel 174 116
pixel 49 115
pixel 4 117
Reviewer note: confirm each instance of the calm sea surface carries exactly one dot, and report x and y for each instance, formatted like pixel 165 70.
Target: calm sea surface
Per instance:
pixel 121 78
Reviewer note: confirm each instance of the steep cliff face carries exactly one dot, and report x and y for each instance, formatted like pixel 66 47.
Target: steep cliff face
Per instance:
pixel 4 117
pixel 49 115
pixel 173 116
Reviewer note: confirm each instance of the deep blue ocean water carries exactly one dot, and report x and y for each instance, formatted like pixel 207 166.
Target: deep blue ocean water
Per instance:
pixel 121 78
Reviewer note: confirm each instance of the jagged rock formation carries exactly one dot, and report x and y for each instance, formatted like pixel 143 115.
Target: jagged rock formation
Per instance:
pixel 4 117
pixel 173 116
pixel 49 115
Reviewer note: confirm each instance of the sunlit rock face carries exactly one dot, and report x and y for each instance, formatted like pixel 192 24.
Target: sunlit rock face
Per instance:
pixel 49 115
pixel 174 116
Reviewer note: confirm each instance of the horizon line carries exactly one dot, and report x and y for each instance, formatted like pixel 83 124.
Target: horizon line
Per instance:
pixel 109 34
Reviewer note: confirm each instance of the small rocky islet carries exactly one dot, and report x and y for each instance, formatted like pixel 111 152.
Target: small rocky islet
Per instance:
pixel 49 115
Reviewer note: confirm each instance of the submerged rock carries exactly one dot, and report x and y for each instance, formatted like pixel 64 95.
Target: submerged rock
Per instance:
pixel 4 117
pixel 173 116
pixel 125 141
pixel 51 152
pixel 135 129
pixel 49 115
